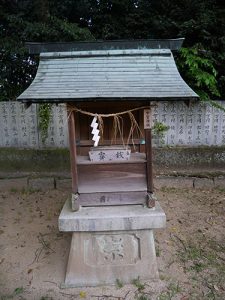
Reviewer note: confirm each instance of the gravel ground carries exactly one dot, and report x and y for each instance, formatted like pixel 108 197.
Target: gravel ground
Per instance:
pixel 190 250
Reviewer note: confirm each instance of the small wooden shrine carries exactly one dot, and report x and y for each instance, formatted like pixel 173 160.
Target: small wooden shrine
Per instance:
pixel 109 89
pixel 117 86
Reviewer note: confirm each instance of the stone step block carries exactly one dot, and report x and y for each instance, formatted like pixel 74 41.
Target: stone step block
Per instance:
pixel 219 182
pixel 41 184
pixel 173 182
pixel 203 183
pixel 13 184
pixel 64 184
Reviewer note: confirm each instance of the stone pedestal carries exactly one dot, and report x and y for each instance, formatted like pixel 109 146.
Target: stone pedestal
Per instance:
pixel 110 243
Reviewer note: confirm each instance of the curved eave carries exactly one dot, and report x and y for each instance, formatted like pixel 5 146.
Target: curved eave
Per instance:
pixel 110 99
pixel 107 75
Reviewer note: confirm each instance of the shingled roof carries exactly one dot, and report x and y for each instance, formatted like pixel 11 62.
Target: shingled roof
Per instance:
pixel 130 74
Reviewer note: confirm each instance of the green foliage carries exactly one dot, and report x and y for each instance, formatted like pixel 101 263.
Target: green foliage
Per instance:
pixel 202 256
pixel 28 21
pixel 140 286
pixel 172 290
pixel 119 283
pixel 160 129
pixel 157 251
pixel 199 71
pixel 46 298
pixel 142 297
pixel 44 115
pixel 18 290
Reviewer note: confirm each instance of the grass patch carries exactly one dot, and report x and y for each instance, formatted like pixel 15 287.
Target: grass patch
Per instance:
pixel 119 283
pixel 168 189
pixel 29 191
pixel 202 255
pixel 13 190
pixel 140 286
pixel 204 259
pixel 143 297
pixel 219 189
pixel 172 290
pixel 16 292
pixel 157 251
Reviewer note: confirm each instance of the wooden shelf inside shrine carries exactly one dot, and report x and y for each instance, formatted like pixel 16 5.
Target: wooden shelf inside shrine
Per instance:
pixel 112 182
pixel 134 158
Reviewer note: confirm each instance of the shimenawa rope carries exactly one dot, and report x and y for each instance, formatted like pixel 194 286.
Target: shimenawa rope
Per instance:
pixel 117 122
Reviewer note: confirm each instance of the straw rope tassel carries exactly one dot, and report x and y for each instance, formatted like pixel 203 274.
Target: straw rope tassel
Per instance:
pixel 97 122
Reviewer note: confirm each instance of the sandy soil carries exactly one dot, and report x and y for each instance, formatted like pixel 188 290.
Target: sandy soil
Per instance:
pixel 190 251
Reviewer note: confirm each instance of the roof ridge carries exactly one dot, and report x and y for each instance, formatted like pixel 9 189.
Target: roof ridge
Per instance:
pixel 104 53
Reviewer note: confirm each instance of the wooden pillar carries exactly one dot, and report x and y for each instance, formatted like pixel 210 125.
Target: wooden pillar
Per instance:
pixel 148 147
pixel 73 160
pixel 149 167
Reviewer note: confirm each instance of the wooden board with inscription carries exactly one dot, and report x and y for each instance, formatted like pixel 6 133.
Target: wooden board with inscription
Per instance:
pixel 112 183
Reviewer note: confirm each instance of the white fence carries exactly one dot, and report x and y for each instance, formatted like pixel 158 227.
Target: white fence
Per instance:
pixel 199 124
pixel 19 126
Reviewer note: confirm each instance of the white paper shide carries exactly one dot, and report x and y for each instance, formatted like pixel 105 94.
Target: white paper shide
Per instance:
pixel 95 131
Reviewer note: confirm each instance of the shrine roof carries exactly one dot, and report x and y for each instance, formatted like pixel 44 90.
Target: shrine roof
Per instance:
pixel 109 75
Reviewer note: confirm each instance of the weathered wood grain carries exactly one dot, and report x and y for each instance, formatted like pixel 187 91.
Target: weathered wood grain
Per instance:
pixel 73 160
pixel 149 168
pixel 113 198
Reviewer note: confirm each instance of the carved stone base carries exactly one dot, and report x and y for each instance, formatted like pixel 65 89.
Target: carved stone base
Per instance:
pixel 110 244
pixel 102 258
